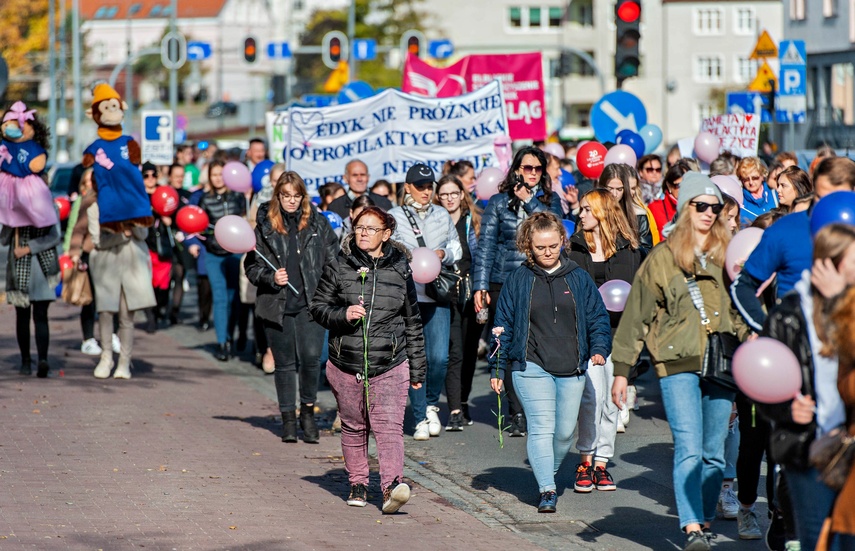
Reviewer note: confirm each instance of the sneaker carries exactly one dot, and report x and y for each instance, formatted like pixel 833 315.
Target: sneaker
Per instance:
pixel 747 525
pixel 395 496
pixel 455 422
pixel 708 534
pixel 123 369
pixel 466 419
pixel 632 397
pixel 696 541
pixel 434 426
pixel 603 480
pixel 623 416
pixel 728 505
pixel 358 495
pixel 43 369
pixel 548 502
pixel 793 545
pixel 776 533
pixel 90 347
pixel 117 344
pixel 621 428
pixel 518 425
pixel 103 369
pixel 584 478
pixel 422 431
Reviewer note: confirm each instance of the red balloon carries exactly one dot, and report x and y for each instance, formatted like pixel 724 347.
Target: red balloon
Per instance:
pixel 64 207
pixel 164 200
pixel 192 219
pixel 590 159
pixel 65 264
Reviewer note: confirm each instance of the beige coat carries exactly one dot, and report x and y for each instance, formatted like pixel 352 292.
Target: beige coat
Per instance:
pixel 119 263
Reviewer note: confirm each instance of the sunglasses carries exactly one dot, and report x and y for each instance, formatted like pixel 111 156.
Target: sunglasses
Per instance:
pixel 423 186
pixel 528 169
pixel 653 169
pixel 149 175
pixel 702 207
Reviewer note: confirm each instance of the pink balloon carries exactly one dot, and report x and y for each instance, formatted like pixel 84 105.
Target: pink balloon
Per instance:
pixel 767 371
pixel 554 149
pixel 707 147
pixel 731 186
pixel 614 293
pixel 487 183
pixel 621 154
pixel 740 248
pixel 502 147
pixel 234 234
pixel 425 265
pixel 237 177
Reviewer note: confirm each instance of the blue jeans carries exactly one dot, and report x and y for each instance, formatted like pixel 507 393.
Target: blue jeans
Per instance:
pixel 223 273
pixel 812 503
pixel 698 413
pixel 436 320
pixel 551 407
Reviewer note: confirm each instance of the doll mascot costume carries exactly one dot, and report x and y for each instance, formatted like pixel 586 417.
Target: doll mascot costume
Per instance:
pixel 25 199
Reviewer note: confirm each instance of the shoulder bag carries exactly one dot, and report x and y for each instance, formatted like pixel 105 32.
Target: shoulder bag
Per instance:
pixel 716 367
pixel 444 289
pixel 831 454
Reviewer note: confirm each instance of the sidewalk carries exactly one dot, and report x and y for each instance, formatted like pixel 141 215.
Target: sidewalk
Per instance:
pixel 184 456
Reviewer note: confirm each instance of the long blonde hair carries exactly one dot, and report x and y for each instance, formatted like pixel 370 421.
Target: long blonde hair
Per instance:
pixel 682 241
pixel 831 242
pixel 612 221
pixel 274 211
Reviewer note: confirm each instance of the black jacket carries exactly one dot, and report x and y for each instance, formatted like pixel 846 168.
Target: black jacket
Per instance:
pixel 392 311
pixel 341 206
pixel 217 205
pixel 318 247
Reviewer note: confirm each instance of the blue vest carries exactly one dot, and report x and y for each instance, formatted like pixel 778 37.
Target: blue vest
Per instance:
pixel 22 154
pixel 121 191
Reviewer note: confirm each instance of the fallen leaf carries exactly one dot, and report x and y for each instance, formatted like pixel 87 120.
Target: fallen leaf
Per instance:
pixel 232 527
pixel 37 411
pixel 255 453
pixel 115 470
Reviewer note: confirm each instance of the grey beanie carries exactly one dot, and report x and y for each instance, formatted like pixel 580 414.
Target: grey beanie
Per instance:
pixel 695 184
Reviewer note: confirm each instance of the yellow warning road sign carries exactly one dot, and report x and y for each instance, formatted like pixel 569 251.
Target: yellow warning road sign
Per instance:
pixel 764 81
pixel 765 47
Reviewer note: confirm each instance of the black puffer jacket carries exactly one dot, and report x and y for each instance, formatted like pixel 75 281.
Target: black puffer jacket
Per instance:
pixel 392 312
pixel 217 205
pixel 318 247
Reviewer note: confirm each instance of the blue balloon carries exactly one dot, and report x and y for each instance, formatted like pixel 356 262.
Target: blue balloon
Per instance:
pixel 570 226
pixel 567 179
pixel 834 208
pixel 652 136
pixel 633 140
pixel 59 290
pixel 316 200
pixel 261 174
pixel 335 219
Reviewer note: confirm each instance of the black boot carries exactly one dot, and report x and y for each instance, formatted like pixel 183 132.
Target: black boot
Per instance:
pixel 311 435
pixel 222 353
pixel 289 429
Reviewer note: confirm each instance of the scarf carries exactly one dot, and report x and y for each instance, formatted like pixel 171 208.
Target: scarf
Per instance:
pixel 18 293
pixel 421 210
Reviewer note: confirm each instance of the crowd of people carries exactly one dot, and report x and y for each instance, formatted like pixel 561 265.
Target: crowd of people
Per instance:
pixel 513 281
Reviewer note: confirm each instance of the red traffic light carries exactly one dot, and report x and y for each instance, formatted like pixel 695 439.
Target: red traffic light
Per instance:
pixel 629 12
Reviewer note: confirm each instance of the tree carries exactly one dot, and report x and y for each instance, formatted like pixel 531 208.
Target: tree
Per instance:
pixel 24 36
pixel 384 20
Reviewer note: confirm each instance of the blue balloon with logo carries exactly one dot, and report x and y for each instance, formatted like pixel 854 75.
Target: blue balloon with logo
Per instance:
pixel 261 175
pixel 334 219
pixel 570 226
pixel 633 140
pixel 834 208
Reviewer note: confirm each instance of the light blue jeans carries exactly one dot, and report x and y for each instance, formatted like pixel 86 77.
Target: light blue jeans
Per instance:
pixel 436 322
pixel 223 273
pixel 698 413
pixel 551 407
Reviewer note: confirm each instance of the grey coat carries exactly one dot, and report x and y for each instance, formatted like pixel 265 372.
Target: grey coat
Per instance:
pixel 119 264
pixel 41 287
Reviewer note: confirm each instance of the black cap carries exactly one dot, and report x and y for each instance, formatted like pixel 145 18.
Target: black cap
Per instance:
pixel 420 174
pixel 149 166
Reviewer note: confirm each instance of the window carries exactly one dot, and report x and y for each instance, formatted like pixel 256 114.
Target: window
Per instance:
pixel 515 17
pixel 101 12
pixel 581 12
pixel 746 69
pixel 708 68
pixel 708 21
pixel 797 10
pixel 745 21
pixel 155 10
pixel 534 18
pixel 705 111
pixel 166 11
pixel 556 15
pixel 829 8
pixel 537 18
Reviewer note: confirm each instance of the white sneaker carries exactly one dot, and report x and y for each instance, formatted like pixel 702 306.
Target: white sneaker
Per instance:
pixel 434 426
pixel 123 370
pixel 103 369
pixel 90 347
pixel 623 416
pixel 728 505
pixel 632 397
pixel 621 428
pixel 117 344
pixel 422 431
pixel 395 496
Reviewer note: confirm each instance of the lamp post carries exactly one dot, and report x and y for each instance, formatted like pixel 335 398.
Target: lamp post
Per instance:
pixel 129 71
pixel 75 63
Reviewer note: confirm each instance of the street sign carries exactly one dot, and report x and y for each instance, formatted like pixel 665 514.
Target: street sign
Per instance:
pixel 791 100
pixel 617 111
pixel 764 81
pixel 318 100
pixel 747 103
pixel 278 50
pixel 173 50
pixel 364 49
pixel 197 51
pixel 765 47
pixel 440 49
pixel 355 91
pixel 158 137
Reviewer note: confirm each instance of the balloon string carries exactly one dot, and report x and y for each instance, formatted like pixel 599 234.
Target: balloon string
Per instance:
pixel 275 269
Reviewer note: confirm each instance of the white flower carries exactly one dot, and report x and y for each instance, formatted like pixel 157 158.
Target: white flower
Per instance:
pixel 497 331
pixel 362 271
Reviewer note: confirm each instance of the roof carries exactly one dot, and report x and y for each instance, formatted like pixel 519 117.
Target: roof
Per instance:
pixel 149 9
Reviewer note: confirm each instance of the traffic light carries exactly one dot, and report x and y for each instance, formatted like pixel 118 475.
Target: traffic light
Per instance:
pixel 411 43
pixel 249 50
pixel 334 48
pixel 565 64
pixel 628 33
pixel 414 46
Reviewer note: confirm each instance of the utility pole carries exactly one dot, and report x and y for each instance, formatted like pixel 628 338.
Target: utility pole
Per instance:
pixel 52 73
pixel 63 74
pixel 351 34
pixel 129 73
pixel 75 63
pixel 173 73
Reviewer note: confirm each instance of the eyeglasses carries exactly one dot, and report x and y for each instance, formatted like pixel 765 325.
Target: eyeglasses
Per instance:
pixel 284 197
pixel 447 196
pixel 756 178
pixel 653 169
pixel 366 230
pixel 528 169
pixel 702 207
pixel 149 175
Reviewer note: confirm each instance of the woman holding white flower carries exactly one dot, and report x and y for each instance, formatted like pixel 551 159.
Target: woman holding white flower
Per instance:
pixel 553 322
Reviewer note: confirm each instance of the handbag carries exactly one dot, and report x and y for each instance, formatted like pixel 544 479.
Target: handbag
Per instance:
pixel 716 367
pixel 790 447
pixel 445 288
pixel 76 288
pixel 832 454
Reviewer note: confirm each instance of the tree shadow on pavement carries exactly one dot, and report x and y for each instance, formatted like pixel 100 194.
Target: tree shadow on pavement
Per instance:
pixel 157 540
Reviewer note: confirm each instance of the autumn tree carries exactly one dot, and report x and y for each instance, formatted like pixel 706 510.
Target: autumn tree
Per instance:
pixel 24 43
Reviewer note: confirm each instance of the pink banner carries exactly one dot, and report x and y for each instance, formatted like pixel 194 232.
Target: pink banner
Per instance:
pixel 522 85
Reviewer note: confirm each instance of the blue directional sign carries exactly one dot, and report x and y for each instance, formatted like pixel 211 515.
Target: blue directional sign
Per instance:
pixel 791 100
pixel 355 91
pixel 278 50
pixel 158 136
pixel 364 49
pixel 617 111
pixel 742 103
pixel 318 100
pixel 197 51
pixel 440 49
